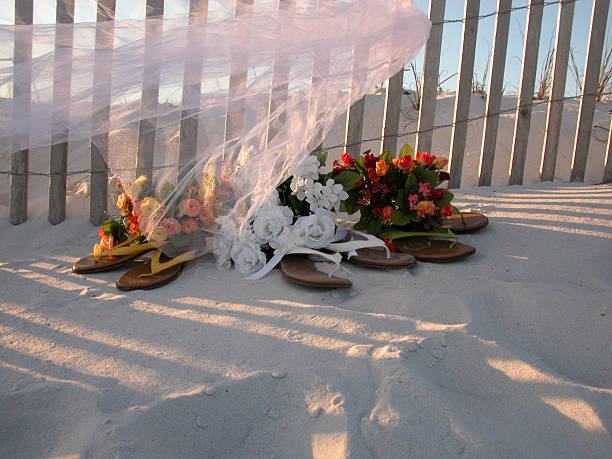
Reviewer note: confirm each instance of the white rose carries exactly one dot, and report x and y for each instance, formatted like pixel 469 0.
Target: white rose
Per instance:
pixel 317 230
pixel 286 241
pixel 247 256
pixel 222 251
pixel 270 222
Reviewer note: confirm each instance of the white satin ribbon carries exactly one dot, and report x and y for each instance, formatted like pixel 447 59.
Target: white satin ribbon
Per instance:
pixel 277 257
pixel 352 246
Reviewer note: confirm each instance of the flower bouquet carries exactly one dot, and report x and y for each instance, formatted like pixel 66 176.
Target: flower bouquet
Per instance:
pixel 398 197
pixel 298 219
pixel 180 221
pixel 114 232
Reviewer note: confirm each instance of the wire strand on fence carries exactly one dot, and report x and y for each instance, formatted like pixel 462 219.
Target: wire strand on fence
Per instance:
pixel 333 147
pixel 495 13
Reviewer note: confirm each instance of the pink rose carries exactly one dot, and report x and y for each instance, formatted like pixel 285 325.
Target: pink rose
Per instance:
pixel 190 207
pixel 189 225
pixel 171 225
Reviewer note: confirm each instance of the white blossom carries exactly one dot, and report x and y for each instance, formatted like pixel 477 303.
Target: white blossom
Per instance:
pixel 270 222
pixel 247 256
pixel 286 241
pixel 317 230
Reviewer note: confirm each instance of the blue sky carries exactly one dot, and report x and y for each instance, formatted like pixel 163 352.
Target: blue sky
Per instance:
pixel 45 13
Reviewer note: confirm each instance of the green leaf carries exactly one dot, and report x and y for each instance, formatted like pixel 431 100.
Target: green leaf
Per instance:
pixel 323 158
pixel 360 226
pixel 374 226
pixel 386 157
pixel 406 150
pixel 164 191
pixel 110 227
pixel 347 179
pixel 411 183
pixel 430 177
pixel 447 197
pixel 351 204
pixel 181 239
pixel 400 218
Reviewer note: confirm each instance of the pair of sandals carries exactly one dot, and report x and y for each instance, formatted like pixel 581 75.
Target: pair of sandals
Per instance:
pixel 359 248
pixel 149 274
pixel 367 253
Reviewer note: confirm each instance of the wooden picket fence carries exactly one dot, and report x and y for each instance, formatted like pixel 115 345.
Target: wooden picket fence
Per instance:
pixel 198 10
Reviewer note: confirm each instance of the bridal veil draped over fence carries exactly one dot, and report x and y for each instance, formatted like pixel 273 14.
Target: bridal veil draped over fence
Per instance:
pixel 263 87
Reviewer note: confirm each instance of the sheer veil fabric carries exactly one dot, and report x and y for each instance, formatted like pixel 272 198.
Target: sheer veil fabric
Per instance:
pixel 262 89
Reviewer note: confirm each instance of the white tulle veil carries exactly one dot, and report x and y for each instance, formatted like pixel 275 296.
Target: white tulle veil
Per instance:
pixel 262 89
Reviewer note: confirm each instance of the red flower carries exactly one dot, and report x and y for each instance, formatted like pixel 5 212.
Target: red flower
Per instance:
pixel 388 213
pixel 436 195
pixel 390 245
pixel 447 211
pixel 405 162
pixel 444 176
pixel 369 160
pixel 347 159
pixel 337 167
pixel 376 187
pixel 101 232
pixel 372 174
pixel 424 189
pixel 377 212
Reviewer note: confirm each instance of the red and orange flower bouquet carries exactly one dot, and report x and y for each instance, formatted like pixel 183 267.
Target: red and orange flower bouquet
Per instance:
pixel 397 197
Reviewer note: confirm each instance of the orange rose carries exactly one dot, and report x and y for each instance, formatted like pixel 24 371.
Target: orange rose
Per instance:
pixel 189 225
pixel 123 202
pixel 171 225
pixel 190 207
pixel 382 168
pixel 207 217
pixel 439 163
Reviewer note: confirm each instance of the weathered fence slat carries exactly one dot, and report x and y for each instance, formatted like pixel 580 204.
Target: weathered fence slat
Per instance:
pixel 496 85
pixel 58 155
pixel 279 92
pixel 18 194
pixel 150 94
pixel 557 91
pixel 99 143
pixel 234 119
pixel 464 92
pixel 431 68
pixel 198 12
pixel 528 75
pixel 607 176
pixel 320 70
pixel 393 105
pixel 354 117
pixel 597 37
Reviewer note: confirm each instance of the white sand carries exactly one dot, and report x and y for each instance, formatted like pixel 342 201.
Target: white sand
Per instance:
pixel 506 354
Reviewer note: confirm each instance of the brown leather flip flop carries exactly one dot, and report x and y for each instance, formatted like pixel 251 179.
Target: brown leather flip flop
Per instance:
pixel 300 270
pixel 155 273
pixel 433 250
pixel 112 258
pixel 88 264
pixel 470 222
pixel 376 257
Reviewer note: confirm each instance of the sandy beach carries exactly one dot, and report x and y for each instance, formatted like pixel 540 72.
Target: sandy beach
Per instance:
pixel 505 354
